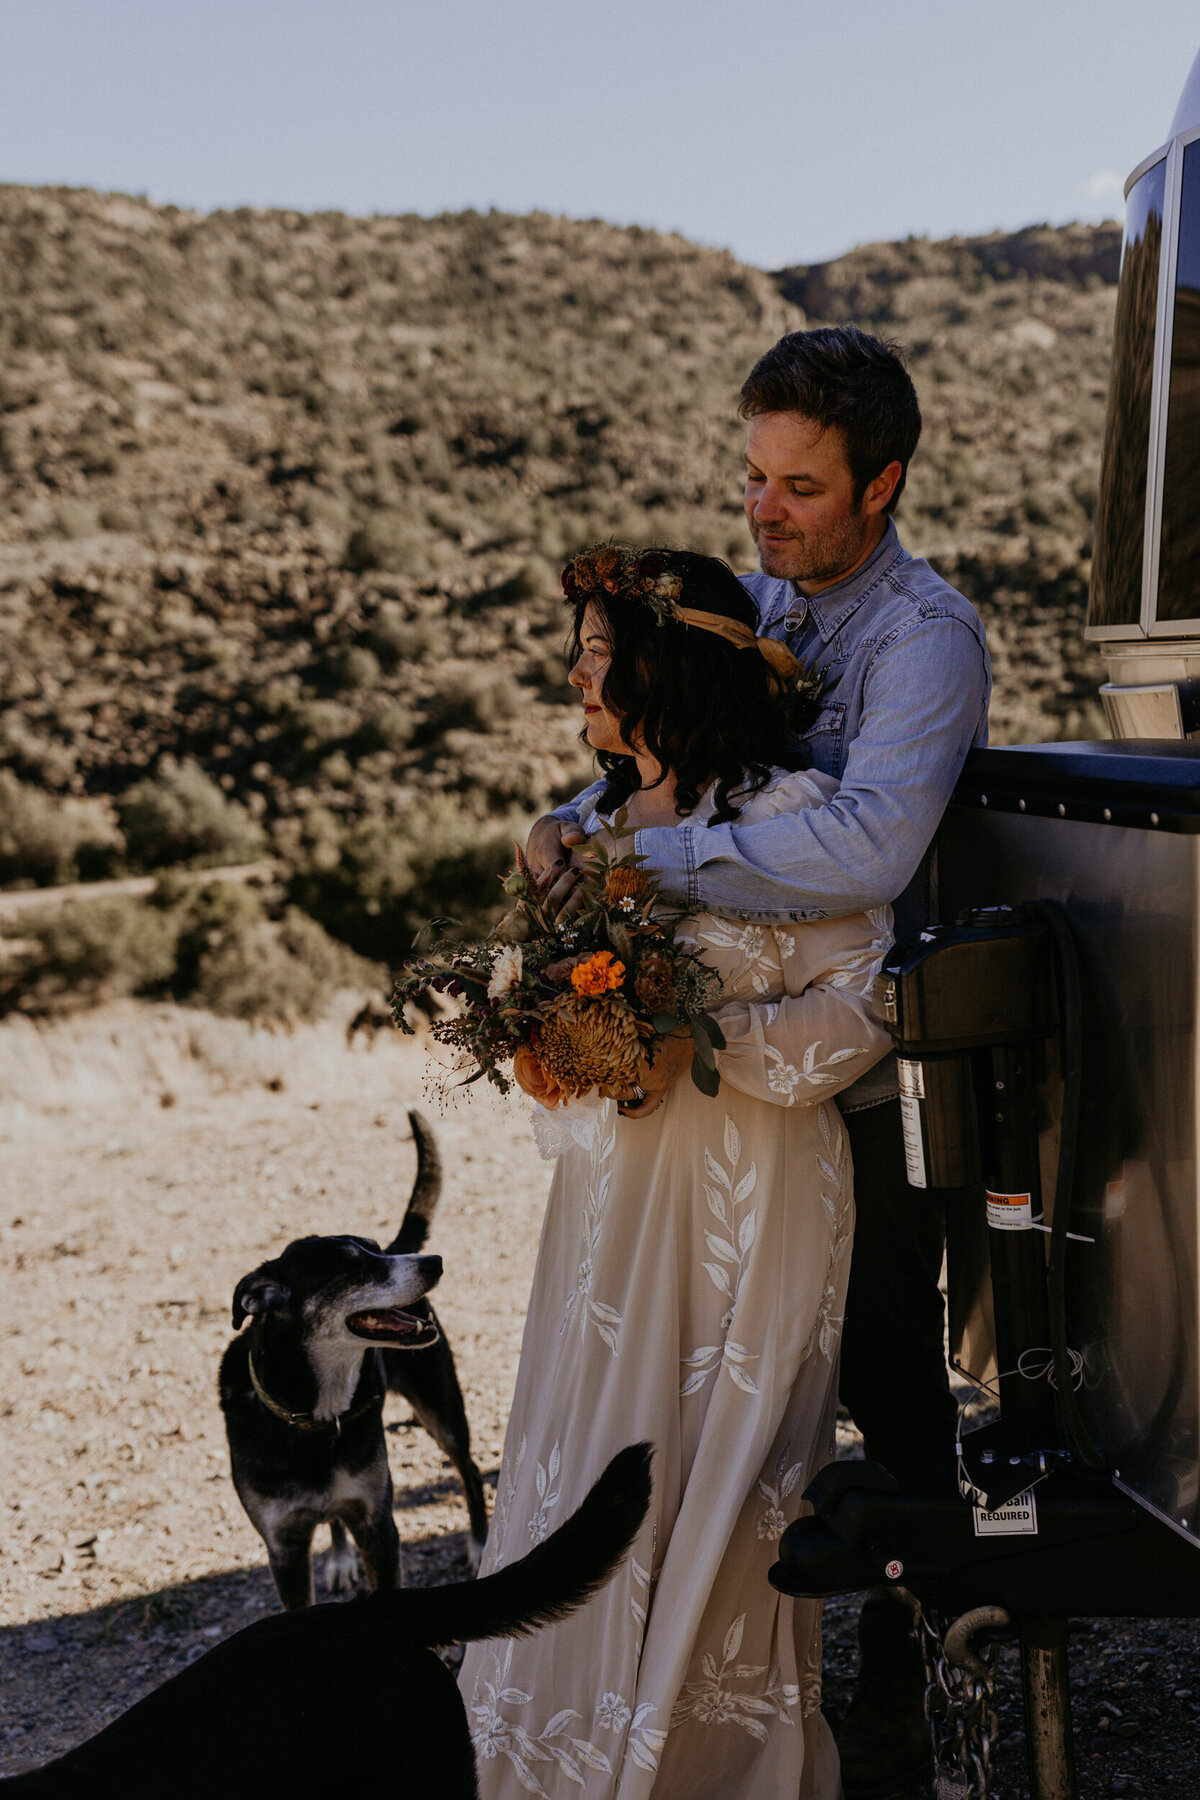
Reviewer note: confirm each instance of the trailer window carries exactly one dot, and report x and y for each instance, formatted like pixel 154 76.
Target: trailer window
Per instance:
pixel 1116 596
pixel 1179 564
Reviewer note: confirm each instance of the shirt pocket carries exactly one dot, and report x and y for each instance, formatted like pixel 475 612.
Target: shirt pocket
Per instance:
pixel 825 739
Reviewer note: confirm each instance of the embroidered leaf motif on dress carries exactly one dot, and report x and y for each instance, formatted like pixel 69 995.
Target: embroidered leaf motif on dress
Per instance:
pixel 547 1492
pixel 504 1500
pixel 597 1186
pixel 713 1701
pixel 642 1579
pixel 834 1189
pixel 494 1735
pixel 727 1193
pixel 772 1521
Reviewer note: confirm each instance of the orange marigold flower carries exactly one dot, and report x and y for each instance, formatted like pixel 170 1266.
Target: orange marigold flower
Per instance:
pixel 598 975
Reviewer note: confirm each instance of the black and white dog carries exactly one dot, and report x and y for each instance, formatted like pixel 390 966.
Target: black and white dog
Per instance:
pixel 302 1392
pixel 341 1702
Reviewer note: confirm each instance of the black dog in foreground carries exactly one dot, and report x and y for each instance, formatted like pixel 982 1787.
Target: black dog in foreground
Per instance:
pixel 338 1702
pixel 336 1322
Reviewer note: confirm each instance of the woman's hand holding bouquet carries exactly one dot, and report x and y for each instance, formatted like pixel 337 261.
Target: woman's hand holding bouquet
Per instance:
pixel 609 1000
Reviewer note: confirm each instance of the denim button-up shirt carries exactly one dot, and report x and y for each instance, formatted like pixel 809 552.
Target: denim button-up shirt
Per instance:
pixel 906 689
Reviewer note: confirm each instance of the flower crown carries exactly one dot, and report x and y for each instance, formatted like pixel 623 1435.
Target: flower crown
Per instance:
pixel 641 576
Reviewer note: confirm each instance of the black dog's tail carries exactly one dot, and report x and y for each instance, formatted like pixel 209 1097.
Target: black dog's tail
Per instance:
pixel 427 1191
pixel 544 1586
pixel 218 1716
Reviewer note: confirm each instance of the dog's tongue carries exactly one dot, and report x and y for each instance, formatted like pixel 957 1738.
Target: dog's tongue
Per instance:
pixel 394 1323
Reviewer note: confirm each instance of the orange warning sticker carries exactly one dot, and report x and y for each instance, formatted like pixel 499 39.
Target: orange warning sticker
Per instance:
pixel 1010 1212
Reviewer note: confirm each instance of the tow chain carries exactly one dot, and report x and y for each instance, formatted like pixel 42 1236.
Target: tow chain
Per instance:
pixel 960 1699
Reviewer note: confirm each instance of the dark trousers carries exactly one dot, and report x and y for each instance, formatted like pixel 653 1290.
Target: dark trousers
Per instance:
pixel 893 1376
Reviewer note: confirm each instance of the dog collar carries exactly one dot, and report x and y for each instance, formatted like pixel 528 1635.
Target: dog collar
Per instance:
pixel 304 1421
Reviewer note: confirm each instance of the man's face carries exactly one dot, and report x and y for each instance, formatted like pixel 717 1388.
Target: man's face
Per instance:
pixel 800 505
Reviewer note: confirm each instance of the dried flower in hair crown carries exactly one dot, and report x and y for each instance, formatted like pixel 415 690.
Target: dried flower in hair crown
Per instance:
pixel 633 575
pixel 643 576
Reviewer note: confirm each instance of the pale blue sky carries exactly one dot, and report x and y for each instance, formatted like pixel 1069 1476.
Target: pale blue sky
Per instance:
pixel 787 132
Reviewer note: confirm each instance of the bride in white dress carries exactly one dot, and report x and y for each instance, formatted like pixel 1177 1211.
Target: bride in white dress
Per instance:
pixel 690 1285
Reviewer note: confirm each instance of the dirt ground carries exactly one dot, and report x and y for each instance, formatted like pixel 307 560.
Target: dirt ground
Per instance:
pixel 151 1156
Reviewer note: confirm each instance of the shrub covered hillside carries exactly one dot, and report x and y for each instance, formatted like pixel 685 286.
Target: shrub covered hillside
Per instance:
pixel 284 496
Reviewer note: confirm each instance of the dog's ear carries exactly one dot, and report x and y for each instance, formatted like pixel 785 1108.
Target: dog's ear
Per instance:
pixel 258 1292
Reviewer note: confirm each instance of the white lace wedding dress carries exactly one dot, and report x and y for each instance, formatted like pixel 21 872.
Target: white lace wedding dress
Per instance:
pixel 689 1290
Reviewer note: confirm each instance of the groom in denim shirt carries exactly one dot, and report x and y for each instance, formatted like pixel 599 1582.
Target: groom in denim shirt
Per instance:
pixel 833 421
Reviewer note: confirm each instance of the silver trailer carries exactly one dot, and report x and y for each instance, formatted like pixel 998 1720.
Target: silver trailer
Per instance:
pixel 1048 1030
pixel 1112 832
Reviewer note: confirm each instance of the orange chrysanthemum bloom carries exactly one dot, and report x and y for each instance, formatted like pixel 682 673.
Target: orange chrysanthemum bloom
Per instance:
pixel 626 884
pixel 598 975
pixel 580 1047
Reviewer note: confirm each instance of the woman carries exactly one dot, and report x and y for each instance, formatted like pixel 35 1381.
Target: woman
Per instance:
pixel 692 1270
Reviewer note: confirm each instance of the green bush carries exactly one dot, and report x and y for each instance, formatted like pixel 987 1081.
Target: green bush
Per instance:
pixel 536 579
pixel 478 701
pixel 117 516
pixel 287 972
pixel 395 640
pixel 389 541
pixel 45 841
pixel 389 726
pixel 391 877
pixel 180 815
pixel 74 519
pixel 203 913
pixel 312 726
pixel 102 949
pixel 214 945
pixel 353 666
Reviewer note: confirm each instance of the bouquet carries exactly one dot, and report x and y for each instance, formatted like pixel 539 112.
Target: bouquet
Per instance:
pixel 587 997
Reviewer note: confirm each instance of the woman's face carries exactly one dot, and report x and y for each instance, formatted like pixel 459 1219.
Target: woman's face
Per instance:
pixel 603 728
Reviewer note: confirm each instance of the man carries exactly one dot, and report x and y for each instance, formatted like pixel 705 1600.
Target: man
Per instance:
pixel 833 422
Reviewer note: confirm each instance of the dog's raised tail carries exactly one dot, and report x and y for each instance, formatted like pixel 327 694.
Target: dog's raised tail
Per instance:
pixel 556 1577
pixel 427 1190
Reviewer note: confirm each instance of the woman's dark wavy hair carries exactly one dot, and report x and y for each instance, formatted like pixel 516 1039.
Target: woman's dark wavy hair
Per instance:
pixel 704 710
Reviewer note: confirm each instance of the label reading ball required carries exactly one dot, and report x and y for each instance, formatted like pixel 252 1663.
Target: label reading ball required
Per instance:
pixel 1016 1518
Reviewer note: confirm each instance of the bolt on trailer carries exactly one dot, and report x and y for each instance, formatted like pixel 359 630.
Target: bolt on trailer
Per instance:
pixel 1047 1027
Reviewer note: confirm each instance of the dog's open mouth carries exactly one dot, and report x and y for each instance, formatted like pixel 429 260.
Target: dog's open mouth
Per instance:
pixel 393 1326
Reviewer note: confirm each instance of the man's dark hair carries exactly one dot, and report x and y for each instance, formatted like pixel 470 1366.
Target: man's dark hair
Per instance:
pixel 842 377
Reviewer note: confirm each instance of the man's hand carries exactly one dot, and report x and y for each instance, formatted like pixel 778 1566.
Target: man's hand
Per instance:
pixel 672 1060
pixel 554 866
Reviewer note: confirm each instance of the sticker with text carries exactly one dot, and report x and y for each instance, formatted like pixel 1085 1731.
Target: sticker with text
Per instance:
pixel 1016 1518
pixel 914 1150
pixel 1010 1212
